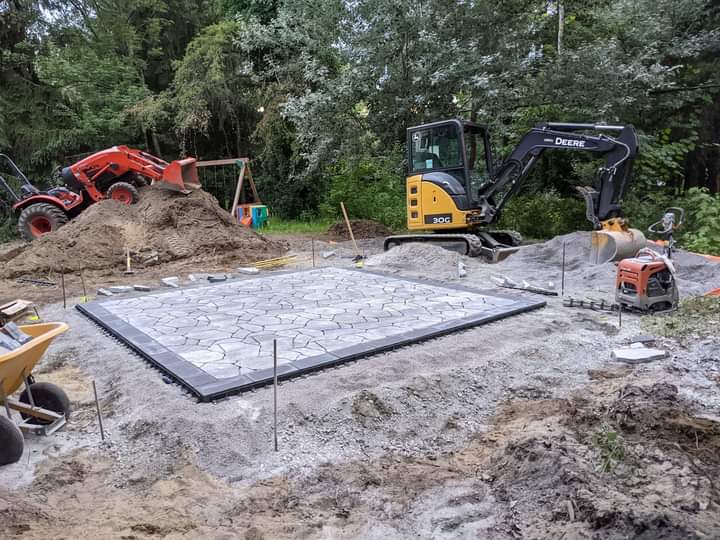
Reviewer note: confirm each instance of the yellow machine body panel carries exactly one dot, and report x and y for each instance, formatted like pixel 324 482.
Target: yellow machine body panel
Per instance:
pixel 429 207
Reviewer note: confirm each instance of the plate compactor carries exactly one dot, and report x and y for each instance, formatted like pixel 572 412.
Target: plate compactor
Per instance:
pixel 646 282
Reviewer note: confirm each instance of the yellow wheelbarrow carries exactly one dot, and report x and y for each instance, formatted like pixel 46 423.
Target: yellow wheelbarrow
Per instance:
pixel 43 407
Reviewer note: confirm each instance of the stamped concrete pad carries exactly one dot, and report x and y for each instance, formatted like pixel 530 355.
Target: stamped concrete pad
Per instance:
pixel 218 339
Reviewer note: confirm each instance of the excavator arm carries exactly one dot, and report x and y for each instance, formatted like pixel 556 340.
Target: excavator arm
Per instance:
pixel 603 201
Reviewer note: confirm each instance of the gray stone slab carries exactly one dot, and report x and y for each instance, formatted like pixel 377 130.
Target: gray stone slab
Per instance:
pixel 218 339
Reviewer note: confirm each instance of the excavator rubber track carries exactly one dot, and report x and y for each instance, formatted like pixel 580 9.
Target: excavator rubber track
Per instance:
pixel 470 245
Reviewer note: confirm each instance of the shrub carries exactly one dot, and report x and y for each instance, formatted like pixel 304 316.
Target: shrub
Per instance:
pixel 371 188
pixel 544 215
pixel 701 230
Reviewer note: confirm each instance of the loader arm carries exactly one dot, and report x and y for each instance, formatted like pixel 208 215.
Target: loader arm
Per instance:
pixel 96 173
pixel 603 202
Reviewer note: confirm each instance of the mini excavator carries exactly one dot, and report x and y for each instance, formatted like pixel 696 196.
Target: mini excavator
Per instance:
pixel 115 173
pixel 454 190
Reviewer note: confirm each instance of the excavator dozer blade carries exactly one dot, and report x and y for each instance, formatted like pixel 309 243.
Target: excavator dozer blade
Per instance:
pixel 180 175
pixel 607 246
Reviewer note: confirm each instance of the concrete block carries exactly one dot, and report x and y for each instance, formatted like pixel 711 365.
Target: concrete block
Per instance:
pixel 328 254
pixel 142 288
pixel 642 338
pixel 172 281
pixel 638 355
pixel 120 289
pixel 104 292
pixel 248 270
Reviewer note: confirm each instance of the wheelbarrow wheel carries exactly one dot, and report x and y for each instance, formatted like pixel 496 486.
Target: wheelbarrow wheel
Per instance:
pixel 11 441
pixel 48 396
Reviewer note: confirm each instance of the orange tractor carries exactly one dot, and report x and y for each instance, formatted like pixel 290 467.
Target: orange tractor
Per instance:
pixel 115 173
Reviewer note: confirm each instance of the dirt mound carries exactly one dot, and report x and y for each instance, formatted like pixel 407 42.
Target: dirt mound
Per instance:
pixel 634 466
pixel 164 226
pixel 417 255
pixel 361 228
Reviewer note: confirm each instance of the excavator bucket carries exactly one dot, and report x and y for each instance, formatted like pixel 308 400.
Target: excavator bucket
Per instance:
pixel 181 175
pixel 609 246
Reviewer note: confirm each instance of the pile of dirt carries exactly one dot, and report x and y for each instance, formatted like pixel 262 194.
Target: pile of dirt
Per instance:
pixel 695 274
pixel 163 226
pixel 638 465
pixel 361 228
pixel 417 256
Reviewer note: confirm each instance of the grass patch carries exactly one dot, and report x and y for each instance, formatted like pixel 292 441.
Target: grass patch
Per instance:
pixel 291 226
pixel 698 316
pixel 611 445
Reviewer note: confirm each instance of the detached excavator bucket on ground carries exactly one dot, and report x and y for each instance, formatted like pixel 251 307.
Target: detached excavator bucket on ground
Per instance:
pixel 607 246
pixel 180 175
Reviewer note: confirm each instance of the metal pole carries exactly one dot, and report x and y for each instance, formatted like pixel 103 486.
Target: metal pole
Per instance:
pixel 275 393
pixel 82 280
pixel 562 279
pixel 99 414
pixel 312 243
pixel 62 282
pixel 619 315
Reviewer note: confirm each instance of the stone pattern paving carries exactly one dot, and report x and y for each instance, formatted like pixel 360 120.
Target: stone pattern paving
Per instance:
pixel 227 329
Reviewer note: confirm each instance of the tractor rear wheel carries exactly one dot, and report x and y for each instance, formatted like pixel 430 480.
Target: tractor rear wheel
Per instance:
pixel 39 219
pixel 11 441
pixel 123 193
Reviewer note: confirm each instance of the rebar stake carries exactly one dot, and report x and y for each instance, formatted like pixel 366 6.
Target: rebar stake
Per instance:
pixel 275 382
pixel 99 414
pixel 562 279
pixel 62 282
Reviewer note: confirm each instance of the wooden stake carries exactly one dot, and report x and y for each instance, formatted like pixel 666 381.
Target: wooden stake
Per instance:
pixel 99 415
pixel 352 236
pixel 275 382
pixel 312 243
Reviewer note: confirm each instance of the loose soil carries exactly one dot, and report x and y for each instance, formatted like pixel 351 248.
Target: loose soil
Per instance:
pixel 162 227
pixel 361 228
pixel 523 428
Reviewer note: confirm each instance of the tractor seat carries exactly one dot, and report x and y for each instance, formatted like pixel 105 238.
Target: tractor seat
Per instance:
pixel 28 189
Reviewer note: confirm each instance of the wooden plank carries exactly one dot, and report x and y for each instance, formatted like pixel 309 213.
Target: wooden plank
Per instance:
pixel 218 162
pixel 238 190
pixel 15 307
pixel 256 197
pixel 37 412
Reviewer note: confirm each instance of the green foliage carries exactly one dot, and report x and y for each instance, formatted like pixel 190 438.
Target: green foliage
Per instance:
pixel 372 188
pixel 661 159
pixel 703 222
pixel 544 215
pixel 696 316
pixel 310 226
pixel 609 441
pixel 701 230
pixel 314 90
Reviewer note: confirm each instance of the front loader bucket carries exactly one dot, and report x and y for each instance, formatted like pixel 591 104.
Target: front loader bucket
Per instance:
pixel 181 175
pixel 609 246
